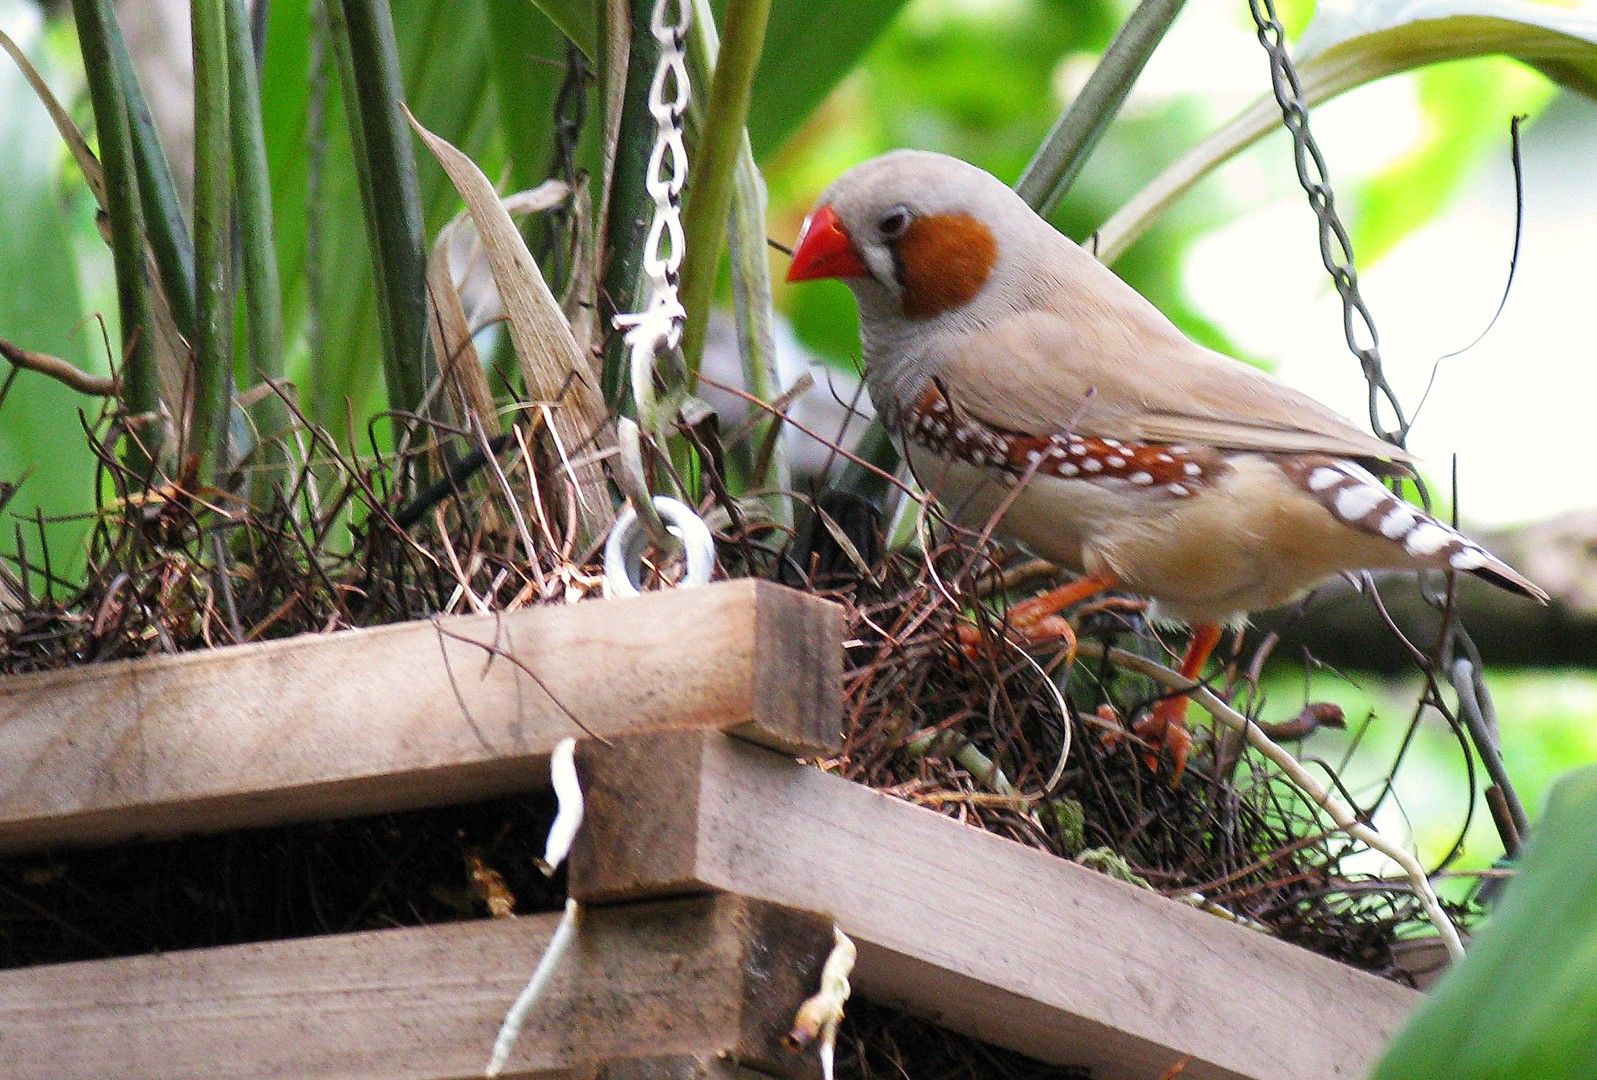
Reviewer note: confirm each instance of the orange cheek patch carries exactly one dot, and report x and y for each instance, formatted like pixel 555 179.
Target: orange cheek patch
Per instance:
pixel 946 259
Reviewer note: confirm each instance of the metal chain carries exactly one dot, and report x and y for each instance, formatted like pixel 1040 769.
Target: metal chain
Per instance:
pixel 570 114
pixel 1336 248
pixel 1336 252
pixel 657 329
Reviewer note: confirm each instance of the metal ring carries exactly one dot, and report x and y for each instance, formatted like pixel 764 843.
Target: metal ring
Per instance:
pixel 623 551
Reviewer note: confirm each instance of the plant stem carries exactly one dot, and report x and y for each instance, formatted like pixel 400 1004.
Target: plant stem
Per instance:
pixel 1066 149
pixel 710 190
pixel 751 288
pixel 385 167
pixel 213 241
pixel 140 378
pixel 165 227
pixel 627 206
pixel 263 294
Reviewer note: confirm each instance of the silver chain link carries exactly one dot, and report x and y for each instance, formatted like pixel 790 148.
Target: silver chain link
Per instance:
pixel 657 328
pixel 1336 248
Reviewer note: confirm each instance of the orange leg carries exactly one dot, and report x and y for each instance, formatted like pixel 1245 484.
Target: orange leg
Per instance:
pixel 1166 725
pixel 1037 620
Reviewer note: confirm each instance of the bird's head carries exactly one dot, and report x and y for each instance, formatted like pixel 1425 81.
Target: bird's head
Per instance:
pixel 916 235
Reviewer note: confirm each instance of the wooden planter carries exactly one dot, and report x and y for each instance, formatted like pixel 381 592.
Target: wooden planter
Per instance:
pixel 710 868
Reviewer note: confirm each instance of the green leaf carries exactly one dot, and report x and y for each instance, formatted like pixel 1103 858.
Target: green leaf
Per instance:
pixel 1349 44
pixel 164 224
pixel 577 19
pixel 40 309
pixel 709 197
pixel 809 47
pixel 141 380
pixel 443 66
pixel 1071 140
pixel 385 168
pixel 524 50
pixel 1353 43
pixel 1523 1005
pixel 1466 109
pixel 213 239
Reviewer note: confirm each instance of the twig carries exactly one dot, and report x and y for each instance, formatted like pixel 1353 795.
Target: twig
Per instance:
pixel 59 370
pixel 1481 720
pixel 1317 792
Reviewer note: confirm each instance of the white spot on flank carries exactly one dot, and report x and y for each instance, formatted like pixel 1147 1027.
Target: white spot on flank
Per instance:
pixel 1166 459
pixel 1192 468
pixel 1115 461
pixel 1469 558
pixel 1141 478
pixel 1427 537
pixel 1324 477
pixel 1113 444
pixel 1033 456
pixel 1177 489
pixel 1354 502
pixel 1398 521
pixel 1068 469
pixel 1092 464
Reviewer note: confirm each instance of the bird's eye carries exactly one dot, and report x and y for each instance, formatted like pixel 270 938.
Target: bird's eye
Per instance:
pixel 894 222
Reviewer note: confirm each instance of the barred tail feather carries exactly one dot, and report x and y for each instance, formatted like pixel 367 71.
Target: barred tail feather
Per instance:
pixel 1499 573
pixel 1359 500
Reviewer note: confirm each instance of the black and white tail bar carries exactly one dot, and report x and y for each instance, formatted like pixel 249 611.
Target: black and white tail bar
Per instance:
pixel 1357 498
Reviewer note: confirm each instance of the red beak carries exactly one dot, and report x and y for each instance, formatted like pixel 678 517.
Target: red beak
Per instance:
pixel 824 249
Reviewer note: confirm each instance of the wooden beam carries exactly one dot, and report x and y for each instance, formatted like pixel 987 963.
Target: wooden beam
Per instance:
pixel 679 984
pixel 403 716
pixel 682 1067
pixel 973 931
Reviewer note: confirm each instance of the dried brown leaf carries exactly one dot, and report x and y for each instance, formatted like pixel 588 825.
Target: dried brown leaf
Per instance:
pixel 553 367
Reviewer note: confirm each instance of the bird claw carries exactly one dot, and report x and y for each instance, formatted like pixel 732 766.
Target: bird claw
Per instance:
pixel 1028 632
pixel 1165 728
pixel 1113 730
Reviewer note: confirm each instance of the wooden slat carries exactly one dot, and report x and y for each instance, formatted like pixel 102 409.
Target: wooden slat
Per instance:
pixel 403 716
pixel 675 983
pixel 682 1067
pixel 973 931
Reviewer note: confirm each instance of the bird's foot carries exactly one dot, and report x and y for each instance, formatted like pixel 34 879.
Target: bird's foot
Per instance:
pixel 1124 605
pixel 1113 730
pixel 1039 631
pixel 1036 621
pixel 1165 728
